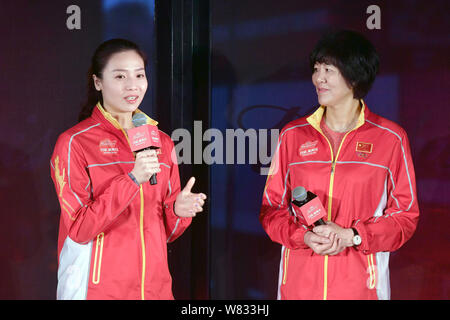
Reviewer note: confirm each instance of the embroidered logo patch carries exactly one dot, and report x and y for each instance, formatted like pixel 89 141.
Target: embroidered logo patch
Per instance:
pixel 108 146
pixel 60 175
pixel 363 155
pixel 309 148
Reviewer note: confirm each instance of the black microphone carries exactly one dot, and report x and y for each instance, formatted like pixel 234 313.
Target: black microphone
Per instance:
pixel 309 205
pixel 144 137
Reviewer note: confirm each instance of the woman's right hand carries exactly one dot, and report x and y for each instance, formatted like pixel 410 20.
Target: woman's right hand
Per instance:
pixel 145 166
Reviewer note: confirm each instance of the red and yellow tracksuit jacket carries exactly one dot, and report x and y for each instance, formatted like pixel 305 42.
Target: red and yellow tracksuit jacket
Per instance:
pixel 369 184
pixel 113 233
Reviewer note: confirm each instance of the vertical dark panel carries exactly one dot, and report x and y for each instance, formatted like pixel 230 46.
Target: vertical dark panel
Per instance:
pixel 201 111
pixel 182 28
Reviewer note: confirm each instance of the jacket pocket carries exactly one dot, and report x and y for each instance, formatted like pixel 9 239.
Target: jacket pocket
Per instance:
pixel 98 258
pixel 285 264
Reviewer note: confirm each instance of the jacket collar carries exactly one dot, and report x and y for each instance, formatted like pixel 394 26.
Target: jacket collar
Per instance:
pixel 99 113
pixel 315 119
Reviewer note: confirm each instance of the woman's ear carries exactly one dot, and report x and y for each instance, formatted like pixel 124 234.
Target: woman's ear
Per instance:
pixel 97 82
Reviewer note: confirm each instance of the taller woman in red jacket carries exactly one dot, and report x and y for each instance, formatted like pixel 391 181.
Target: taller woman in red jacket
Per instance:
pixel 359 165
pixel 114 225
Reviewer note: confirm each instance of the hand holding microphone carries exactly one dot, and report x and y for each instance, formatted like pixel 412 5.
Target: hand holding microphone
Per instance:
pixel 146 166
pixel 310 206
pixel 323 243
pixel 144 140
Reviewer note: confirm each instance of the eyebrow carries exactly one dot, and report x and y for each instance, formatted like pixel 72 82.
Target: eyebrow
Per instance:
pixel 138 69
pixel 327 64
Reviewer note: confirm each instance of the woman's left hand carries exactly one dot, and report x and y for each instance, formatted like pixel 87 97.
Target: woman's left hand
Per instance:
pixel 187 203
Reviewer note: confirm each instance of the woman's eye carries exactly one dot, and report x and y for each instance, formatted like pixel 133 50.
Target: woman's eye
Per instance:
pixel 120 76
pixel 141 75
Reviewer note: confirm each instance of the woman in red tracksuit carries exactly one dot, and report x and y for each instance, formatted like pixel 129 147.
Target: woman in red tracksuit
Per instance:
pixel 114 225
pixel 359 165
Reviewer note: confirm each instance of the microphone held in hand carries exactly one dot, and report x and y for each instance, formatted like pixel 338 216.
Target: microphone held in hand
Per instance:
pixel 310 206
pixel 144 137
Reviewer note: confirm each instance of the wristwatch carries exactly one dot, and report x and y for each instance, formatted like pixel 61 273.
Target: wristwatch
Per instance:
pixel 356 238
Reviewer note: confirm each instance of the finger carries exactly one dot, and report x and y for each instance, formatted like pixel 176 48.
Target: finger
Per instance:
pixel 189 185
pixel 339 245
pixel 322 249
pixel 196 203
pixel 322 230
pixel 152 165
pixel 150 169
pixel 198 208
pixel 145 153
pixel 152 159
pixel 318 239
pixel 199 197
pixel 147 166
pixel 334 246
pixel 318 229
pixel 326 246
pixel 139 155
pixel 156 170
pixel 150 153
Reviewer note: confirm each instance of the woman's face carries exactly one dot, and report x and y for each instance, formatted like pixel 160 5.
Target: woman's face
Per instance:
pixel 124 83
pixel 331 88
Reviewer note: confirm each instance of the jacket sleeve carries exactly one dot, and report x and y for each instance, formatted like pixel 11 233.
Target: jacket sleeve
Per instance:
pixel 174 224
pixel 275 217
pixel 84 217
pixel 398 222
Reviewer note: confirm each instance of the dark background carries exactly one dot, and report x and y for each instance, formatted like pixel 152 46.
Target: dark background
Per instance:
pixel 232 64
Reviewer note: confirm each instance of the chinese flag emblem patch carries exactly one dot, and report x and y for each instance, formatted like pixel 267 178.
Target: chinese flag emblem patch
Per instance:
pixel 364 147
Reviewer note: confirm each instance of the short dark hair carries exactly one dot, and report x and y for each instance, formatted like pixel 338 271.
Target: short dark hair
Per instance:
pixel 98 63
pixel 354 56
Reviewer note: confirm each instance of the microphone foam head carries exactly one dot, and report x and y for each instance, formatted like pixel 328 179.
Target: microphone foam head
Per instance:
pixel 299 194
pixel 139 119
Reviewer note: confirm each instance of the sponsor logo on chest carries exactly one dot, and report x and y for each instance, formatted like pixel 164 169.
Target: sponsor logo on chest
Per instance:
pixel 308 148
pixel 108 146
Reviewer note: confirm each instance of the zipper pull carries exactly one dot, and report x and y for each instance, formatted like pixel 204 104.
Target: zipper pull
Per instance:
pixel 332 166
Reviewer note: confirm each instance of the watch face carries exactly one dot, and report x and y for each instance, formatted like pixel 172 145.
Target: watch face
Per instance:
pixel 357 240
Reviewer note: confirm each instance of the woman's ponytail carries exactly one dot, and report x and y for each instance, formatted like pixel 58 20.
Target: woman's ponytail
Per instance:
pixel 93 96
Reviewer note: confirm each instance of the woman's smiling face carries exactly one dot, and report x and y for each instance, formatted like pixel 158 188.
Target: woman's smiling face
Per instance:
pixel 123 83
pixel 331 87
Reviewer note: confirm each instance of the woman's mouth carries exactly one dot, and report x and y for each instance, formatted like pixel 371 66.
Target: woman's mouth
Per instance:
pixel 131 99
pixel 322 90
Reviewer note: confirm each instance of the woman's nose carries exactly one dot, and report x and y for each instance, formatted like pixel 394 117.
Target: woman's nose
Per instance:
pixel 320 76
pixel 131 84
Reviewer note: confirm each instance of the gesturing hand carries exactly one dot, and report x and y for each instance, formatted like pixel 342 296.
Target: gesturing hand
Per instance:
pixel 187 203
